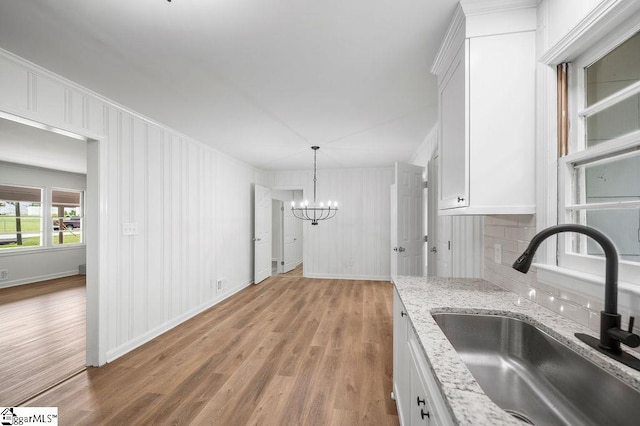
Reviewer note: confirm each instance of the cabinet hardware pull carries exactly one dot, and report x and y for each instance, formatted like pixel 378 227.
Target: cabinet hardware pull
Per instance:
pixel 460 199
pixel 403 314
pixel 420 401
pixel 423 414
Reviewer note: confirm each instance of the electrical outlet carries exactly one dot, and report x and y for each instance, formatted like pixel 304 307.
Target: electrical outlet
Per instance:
pixel 220 282
pixel 497 253
pixel 4 274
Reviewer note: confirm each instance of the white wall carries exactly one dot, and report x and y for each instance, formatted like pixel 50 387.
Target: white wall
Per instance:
pixel 193 207
pixel 42 263
pixel 564 15
pixel 355 244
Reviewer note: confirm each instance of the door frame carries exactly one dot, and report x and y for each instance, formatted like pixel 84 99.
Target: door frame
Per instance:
pixel 262 235
pixel 96 231
pixel 304 228
pixel 407 214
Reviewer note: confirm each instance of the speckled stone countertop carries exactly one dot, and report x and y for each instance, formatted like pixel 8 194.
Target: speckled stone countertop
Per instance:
pixel 468 404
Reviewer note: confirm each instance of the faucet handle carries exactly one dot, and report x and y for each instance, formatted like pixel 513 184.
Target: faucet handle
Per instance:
pixel 623 336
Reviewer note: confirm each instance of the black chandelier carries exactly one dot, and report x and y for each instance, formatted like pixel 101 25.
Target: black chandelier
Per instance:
pixel 315 212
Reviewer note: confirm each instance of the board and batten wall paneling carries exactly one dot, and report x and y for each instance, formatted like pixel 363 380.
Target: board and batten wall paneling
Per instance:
pixel 356 243
pixel 191 204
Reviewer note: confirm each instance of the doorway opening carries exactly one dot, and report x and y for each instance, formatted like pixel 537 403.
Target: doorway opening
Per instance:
pixel 63 166
pixel 287 233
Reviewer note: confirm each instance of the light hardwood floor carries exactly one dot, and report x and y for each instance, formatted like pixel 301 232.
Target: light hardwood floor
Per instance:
pixel 288 351
pixel 42 336
pixel 295 272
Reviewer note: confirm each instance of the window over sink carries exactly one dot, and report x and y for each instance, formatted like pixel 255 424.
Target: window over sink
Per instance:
pixel 600 176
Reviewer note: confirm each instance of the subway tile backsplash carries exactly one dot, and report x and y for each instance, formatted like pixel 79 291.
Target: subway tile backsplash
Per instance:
pixel 513 233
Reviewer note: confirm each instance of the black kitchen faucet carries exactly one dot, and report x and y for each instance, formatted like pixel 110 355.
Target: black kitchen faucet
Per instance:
pixel 611 335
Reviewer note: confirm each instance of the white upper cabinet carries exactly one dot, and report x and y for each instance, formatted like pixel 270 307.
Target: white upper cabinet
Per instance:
pixel 486 89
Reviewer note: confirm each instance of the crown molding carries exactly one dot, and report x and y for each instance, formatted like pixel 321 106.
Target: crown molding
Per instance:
pixel 482 7
pixel 455 27
pixel 604 18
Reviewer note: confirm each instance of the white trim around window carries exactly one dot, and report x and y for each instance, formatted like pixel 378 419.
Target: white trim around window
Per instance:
pixel 590 41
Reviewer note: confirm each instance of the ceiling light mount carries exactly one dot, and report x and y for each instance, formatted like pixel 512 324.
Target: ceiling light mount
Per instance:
pixel 315 212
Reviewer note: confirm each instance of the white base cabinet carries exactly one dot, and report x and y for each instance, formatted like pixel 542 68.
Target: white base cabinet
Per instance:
pixel 417 395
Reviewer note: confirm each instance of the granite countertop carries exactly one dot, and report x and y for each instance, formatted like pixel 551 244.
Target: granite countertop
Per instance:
pixel 468 404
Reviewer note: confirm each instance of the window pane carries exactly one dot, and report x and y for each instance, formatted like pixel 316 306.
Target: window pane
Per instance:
pixel 618 120
pixel 616 70
pixel 622 226
pixel 66 214
pixel 616 180
pixel 20 217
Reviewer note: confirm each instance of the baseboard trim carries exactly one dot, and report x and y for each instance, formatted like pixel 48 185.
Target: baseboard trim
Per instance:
pixel 33 280
pixel 349 277
pixel 132 344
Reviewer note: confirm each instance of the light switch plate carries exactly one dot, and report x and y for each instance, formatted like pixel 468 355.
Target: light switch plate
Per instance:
pixel 129 229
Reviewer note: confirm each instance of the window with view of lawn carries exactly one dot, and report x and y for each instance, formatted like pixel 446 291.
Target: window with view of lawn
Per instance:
pixel 66 213
pixel 22 218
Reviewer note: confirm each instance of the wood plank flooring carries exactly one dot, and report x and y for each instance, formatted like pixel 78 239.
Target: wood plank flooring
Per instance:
pixel 295 272
pixel 288 351
pixel 42 336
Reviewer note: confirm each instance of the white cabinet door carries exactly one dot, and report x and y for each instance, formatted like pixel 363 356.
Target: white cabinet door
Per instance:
pixel 419 401
pixel 401 357
pixel 417 394
pixel 454 135
pixel 502 122
pixel 486 101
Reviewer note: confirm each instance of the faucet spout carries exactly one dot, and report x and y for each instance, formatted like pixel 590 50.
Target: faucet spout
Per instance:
pixel 611 335
pixel 523 263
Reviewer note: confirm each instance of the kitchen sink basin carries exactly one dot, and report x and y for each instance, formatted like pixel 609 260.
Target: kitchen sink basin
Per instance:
pixel 534 377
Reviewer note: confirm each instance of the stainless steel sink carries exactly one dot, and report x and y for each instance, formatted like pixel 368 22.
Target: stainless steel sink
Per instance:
pixel 536 378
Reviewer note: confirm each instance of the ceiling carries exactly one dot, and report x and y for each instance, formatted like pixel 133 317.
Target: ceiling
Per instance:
pixel 26 144
pixel 261 80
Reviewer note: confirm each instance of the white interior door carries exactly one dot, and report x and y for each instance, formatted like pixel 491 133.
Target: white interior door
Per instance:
pixel 262 237
pixel 277 235
pixel 409 220
pixel 394 230
pixel 291 240
pixel 444 265
pixel 432 218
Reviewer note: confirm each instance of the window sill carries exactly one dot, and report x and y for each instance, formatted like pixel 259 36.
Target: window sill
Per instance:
pixel 34 250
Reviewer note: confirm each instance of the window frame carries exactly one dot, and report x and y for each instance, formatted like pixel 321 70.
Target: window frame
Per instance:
pixel 46 221
pixel 629 272
pixel 51 240
pixel 42 220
